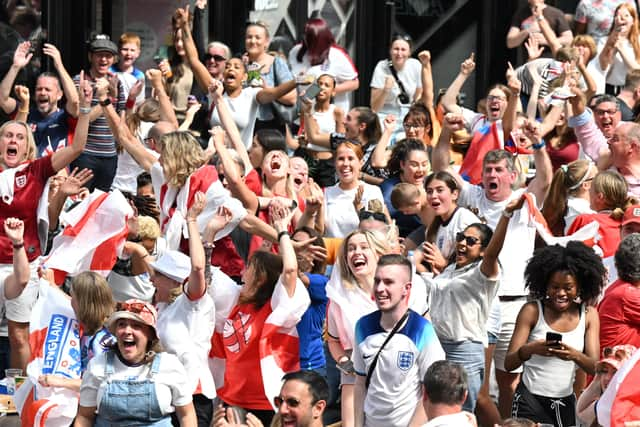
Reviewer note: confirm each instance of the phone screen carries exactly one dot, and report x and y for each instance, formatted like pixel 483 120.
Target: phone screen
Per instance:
pixel 312 91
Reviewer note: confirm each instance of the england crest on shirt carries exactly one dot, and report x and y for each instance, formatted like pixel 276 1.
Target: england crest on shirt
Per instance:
pixel 21 180
pixel 405 360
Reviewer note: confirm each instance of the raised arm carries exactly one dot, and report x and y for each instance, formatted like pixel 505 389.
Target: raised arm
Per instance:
pixel 549 35
pixel 489 266
pixel 228 124
pixel 509 122
pixel 21 58
pixel 167 113
pixel 18 279
pixel 449 99
pixel 197 286
pixel 68 87
pixel 280 217
pixel 544 171
pixel 200 72
pixel 237 186
pixel 72 185
pixel 441 157
pixel 380 155
pixel 23 95
pixel 427 79
pixel 62 158
pixel 121 131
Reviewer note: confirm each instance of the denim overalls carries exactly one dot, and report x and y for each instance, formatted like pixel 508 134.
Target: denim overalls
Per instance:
pixel 131 402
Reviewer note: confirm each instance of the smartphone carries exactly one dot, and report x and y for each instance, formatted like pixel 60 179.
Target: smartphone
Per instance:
pixel 553 338
pixel 312 91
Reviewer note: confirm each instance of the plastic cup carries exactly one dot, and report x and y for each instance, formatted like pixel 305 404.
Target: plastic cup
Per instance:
pixel 11 375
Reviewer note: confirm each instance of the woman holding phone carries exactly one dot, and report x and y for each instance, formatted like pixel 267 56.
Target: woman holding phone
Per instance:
pixel 556 333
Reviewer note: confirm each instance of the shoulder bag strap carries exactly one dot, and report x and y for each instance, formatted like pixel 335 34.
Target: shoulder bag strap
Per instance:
pixel 372 367
pixel 395 76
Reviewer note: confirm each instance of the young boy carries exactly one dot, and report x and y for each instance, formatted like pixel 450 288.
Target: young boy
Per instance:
pixel 129 51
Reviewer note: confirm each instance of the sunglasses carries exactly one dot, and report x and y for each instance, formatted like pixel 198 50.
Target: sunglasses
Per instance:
pixel 378 216
pixel 258 23
pixel 290 401
pixel 470 240
pixel 405 37
pixel 135 307
pixel 217 58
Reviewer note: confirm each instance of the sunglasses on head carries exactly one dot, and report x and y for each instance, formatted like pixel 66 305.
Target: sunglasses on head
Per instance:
pixel 378 216
pixel 290 401
pixel 217 58
pixel 134 307
pixel 470 240
pixel 405 37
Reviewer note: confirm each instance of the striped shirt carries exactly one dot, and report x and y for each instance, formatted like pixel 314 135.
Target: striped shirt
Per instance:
pixel 100 140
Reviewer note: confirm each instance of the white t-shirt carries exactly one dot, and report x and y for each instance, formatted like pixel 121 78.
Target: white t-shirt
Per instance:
pixel 575 206
pixel 128 169
pixel 446 236
pixel 410 76
pixel 341 217
pixel 459 419
pixel 244 109
pixel 326 124
pixel 338 64
pixel 473 122
pixel 460 301
pixel 519 242
pixel 185 328
pixel 171 381
pixel 347 305
pixel 396 382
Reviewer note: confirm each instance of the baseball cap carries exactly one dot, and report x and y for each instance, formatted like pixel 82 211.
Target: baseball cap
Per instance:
pixel 632 214
pixel 173 264
pixel 102 43
pixel 134 309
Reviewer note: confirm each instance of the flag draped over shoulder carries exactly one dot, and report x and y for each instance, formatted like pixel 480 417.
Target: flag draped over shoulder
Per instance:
pixel 585 234
pixel 54 337
pixel 484 140
pixel 620 402
pixel 93 237
pixel 175 203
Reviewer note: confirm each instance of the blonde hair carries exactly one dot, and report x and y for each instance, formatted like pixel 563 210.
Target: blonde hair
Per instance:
pixel 289 185
pixel 181 156
pixel 94 300
pixel 615 190
pixel 148 228
pixel 31 142
pixel 377 242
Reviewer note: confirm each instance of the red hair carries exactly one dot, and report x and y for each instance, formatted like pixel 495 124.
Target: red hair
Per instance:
pixel 317 41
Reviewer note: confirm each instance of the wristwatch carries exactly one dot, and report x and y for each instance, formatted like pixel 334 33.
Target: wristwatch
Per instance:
pixel 105 102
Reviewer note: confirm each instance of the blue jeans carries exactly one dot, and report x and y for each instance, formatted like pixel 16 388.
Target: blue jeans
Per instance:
pixel 469 354
pixel 103 168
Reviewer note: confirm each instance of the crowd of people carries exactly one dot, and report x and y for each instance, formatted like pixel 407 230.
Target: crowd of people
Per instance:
pixel 294 260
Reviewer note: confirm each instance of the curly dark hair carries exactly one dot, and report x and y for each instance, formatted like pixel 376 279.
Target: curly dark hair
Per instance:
pixel 577 259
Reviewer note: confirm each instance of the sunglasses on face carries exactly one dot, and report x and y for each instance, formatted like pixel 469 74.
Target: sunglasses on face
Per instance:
pixel 470 240
pixel 378 216
pixel 217 58
pixel 134 307
pixel 290 401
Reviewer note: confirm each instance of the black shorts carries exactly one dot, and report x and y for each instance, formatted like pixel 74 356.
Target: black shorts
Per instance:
pixel 541 409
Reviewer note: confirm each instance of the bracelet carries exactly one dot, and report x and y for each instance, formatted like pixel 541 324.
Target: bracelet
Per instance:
pixel 130 103
pixel 23 111
pixel 507 214
pixel 282 233
pixel 538 146
pixel 18 245
pixel 105 102
pixel 520 356
pixel 85 110
pixel 539 18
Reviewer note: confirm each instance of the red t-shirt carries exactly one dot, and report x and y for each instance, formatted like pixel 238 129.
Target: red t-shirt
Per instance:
pixel 243 384
pixel 28 186
pixel 608 237
pixel 619 313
